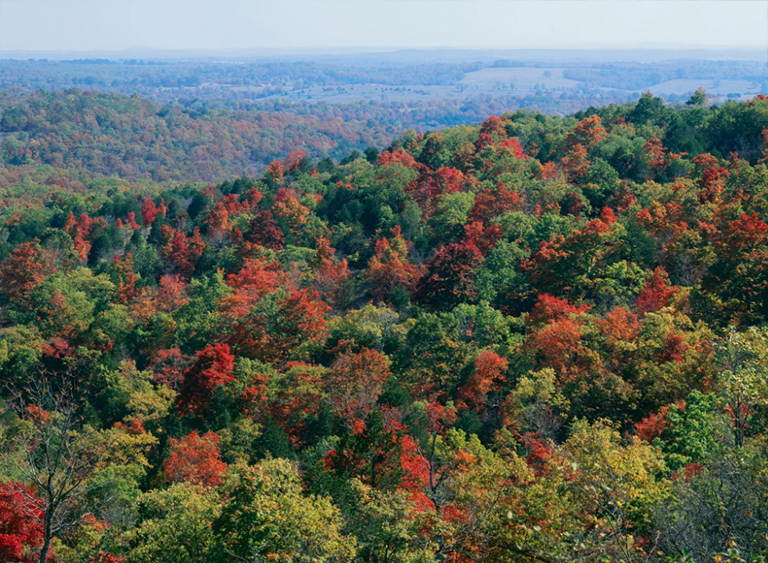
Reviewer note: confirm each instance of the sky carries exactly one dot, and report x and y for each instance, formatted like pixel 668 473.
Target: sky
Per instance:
pixel 231 25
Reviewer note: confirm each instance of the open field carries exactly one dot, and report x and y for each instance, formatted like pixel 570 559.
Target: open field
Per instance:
pixel 713 87
pixel 523 78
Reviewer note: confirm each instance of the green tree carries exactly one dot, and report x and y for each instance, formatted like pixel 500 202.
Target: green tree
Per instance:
pixel 267 515
pixel 173 525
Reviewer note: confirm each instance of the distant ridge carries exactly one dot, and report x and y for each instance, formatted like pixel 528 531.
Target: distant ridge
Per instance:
pixel 640 53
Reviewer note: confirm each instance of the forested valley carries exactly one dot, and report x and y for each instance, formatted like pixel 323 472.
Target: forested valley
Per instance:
pixel 537 339
pixel 98 134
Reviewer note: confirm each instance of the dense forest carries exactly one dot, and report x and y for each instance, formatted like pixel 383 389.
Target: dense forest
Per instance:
pixel 101 134
pixel 537 339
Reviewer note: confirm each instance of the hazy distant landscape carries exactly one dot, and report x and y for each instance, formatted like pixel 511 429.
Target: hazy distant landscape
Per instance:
pixel 210 118
pixel 404 76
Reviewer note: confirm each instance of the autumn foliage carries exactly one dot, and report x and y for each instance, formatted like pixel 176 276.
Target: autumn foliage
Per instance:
pixel 537 339
pixel 194 459
pixel 21 526
pixel 212 368
pixel 23 271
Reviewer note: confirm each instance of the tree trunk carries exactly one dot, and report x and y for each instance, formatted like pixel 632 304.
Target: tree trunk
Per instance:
pixel 46 536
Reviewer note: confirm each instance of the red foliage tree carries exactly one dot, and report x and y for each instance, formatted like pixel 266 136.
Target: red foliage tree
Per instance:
pixel 389 267
pixel 59 348
pixel 171 294
pixel 149 211
pixel 549 308
pixel 562 260
pixel 256 279
pixel 330 274
pixel 300 319
pixel 449 180
pixel 656 293
pixel 607 216
pixel 587 133
pixel 255 396
pixel 288 208
pixel 194 459
pixel 712 176
pixel 380 452
pixel 275 171
pixel 744 235
pixel 488 376
pixel 539 453
pixel 22 271
pixel 492 131
pixel 356 381
pixel 132 220
pixel 576 163
pixel 559 345
pixel 656 156
pixel 674 348
pixel 397 156
pixel 21 523
pixel 70 223
pixel 82 248
pixel 549 171
pixel 424 190
pixel 491 203
pixel 449 277
pixel 82 228
pixel 263 230
pixel 652 425
pixel 195 248
pixel 427 188
pixel 181 252
pixel 169 367
pixel 619 325
pixel 666 220
pixel 126 286
pixel 218 219
pixel 514 146
pixel 481 237
pixel 212 369
pixel 295 160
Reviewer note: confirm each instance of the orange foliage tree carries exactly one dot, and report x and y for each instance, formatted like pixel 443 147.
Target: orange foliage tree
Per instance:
pixel 22 271
pixel 194 459
pixel 490 369
pixel 389 267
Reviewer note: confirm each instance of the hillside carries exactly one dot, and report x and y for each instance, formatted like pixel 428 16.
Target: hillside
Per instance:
pixel 97 134
pixel 535 339
pixel 109 134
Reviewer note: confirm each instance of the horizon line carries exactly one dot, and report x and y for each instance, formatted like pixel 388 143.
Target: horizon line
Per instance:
pixel 182 52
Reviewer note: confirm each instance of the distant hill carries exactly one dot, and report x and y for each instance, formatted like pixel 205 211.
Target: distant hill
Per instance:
pixel 134 138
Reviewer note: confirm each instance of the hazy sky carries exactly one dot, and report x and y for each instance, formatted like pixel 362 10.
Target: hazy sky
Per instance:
pixel 114 25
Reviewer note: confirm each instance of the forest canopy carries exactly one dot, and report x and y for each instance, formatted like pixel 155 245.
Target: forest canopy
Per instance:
pixel 536 339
